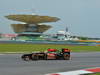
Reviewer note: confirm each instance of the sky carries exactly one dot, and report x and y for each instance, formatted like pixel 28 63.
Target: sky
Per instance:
pixel 82 17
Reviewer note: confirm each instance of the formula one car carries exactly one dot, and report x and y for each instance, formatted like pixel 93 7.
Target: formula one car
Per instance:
pixel 50 54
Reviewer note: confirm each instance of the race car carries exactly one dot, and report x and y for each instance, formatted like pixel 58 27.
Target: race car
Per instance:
pixel 51 54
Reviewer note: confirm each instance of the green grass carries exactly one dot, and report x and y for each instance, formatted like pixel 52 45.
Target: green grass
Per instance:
pixel 94 74
pixel 44 47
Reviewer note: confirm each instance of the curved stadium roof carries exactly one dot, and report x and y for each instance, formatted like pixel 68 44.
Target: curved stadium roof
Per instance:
pixel 32 19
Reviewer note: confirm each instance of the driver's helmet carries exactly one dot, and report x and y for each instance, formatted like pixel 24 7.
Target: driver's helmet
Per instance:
pixel 65 50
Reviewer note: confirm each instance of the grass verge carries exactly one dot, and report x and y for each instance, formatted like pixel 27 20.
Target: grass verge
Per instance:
pixel 44 47
pixel 93 74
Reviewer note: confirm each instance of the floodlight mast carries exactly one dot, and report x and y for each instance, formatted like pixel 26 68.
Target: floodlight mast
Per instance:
pixel 33 11
pixel 66 29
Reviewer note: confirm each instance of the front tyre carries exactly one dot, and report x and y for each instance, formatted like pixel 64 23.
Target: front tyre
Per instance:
pixel 26 58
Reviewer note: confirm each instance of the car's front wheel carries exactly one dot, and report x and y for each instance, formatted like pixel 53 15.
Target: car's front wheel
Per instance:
pixel 26 58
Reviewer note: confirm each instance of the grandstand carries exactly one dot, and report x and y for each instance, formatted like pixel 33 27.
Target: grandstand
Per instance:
pixel 33 26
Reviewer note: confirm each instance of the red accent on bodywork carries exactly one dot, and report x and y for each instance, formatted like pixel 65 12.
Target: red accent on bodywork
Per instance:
pixel 51 54
pixel 52 50
pixel 55 74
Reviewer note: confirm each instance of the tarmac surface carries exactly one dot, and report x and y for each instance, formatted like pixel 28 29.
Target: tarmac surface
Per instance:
pixel 11 64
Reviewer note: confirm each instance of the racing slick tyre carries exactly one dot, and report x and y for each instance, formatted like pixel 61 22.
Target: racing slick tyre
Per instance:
pixel 66 57
pixel 26 58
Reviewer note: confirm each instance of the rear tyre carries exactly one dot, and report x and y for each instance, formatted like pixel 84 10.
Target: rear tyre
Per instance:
pixel 66 57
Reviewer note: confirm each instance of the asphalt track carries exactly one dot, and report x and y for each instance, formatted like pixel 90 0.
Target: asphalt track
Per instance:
pixel 11 64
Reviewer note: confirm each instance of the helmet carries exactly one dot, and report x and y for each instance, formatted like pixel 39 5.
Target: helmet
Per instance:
pixel 65 50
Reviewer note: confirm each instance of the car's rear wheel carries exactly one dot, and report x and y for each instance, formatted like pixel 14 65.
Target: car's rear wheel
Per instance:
pixel 66 57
